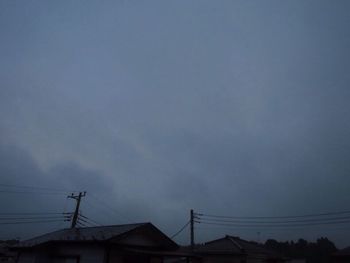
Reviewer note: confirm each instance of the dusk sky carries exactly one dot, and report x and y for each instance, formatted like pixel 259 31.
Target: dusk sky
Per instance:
pixel 236 108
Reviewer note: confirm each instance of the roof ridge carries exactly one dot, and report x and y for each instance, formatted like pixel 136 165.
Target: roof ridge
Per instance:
pixel 32 238
pixel 235 242
pixel 77 229
pixel 143 223
pixel 214 240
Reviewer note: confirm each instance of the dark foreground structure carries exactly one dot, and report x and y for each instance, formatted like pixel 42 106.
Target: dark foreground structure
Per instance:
pixel 135 243
pixel 235 250
pixel 108 244
pixel 6 255
pixel 342 256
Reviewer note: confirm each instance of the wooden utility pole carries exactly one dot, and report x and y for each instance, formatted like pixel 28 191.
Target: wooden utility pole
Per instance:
pixel 76 212
pixel 192 228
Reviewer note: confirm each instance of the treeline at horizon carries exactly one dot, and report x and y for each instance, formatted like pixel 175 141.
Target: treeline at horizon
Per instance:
pixel 314 252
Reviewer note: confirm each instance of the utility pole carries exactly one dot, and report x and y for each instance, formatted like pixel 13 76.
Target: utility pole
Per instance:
pixel 76 212
pixel 192 228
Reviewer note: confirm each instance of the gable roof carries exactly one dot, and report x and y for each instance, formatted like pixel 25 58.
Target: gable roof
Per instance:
pixel 97 234
pixel 224 245
pixel 234 245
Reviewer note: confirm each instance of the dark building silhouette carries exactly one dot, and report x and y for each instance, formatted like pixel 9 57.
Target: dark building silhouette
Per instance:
pixel 108 244
pixel 341 256
pixel 235 250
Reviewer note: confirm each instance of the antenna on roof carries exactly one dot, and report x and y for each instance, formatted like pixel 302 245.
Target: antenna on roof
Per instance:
pixel 76 212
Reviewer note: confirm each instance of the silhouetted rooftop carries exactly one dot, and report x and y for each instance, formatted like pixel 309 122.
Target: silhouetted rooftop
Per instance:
pixel 233 245
pixel 100 233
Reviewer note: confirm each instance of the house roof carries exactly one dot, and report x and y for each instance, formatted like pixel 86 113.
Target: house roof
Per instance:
pixel 4 250
pixel 233 245
pixel 224 245
pixel 99 234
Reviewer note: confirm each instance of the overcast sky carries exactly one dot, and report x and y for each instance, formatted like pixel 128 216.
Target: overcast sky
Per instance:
pixel 156 107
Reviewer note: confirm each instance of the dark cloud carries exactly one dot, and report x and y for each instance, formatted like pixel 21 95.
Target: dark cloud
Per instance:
pixel 19 169
pixel 155 108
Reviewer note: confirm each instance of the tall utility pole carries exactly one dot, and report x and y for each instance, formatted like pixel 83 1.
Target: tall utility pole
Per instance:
pixel 76 212
pixel 192 228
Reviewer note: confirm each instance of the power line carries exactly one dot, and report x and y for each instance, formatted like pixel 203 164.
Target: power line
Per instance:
pixel 273 225
pixel 332 219
pixel 93 206
pixel 89 219
pixel 274 222
pixel 59 225
pixel 80 220
pixel 182 228
pixel 109 208
pixel 80 224
pixel 30 218
pixel 38 188
pixel 29 222
pixel 35 213
pixel 275 217
pixel 31 192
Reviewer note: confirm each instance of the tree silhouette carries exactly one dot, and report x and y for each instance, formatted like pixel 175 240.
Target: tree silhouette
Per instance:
pixel 314 252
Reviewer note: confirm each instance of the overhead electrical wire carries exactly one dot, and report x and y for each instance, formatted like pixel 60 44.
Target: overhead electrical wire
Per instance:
pixel 109 208
pixel 275 222
pixel 80 220
pixel 37 188
pixel 59 225
pixel 26 189
pixel 38 217
pixel 30 218
pixel 329 218
pixel 80 224
pixel 85 219
pixel 29 222
pixel 272 225
pixel 85 222
pixel 35 213
pixel 181 229
pixel 275 217
pixel 103 213
pixel 31 192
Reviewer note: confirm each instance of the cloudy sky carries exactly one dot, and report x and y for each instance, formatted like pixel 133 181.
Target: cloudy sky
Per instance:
pixel 155 107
